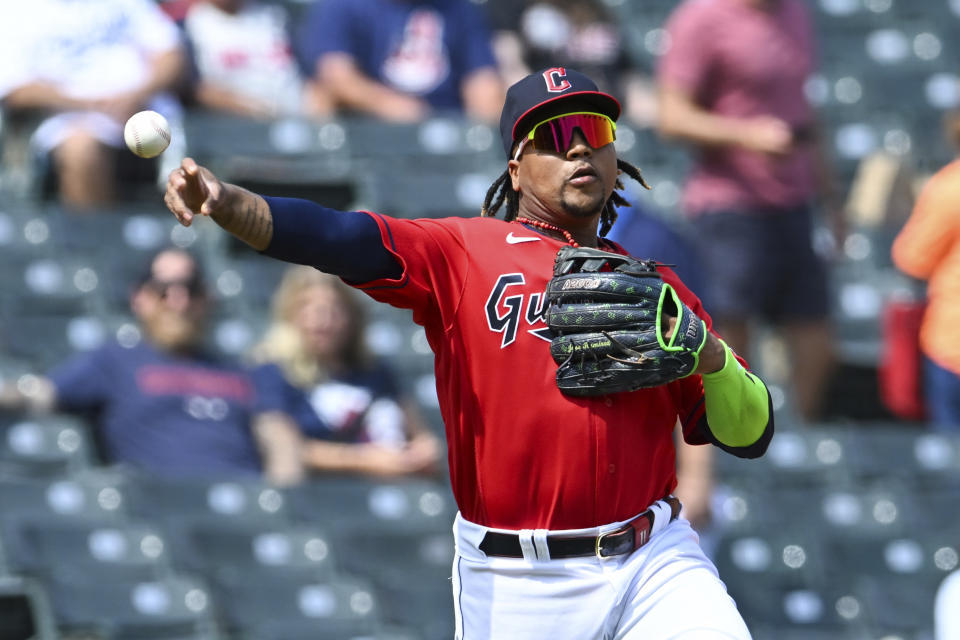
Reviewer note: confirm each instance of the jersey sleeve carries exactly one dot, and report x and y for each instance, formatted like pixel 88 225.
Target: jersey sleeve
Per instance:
pixel 432 255
pixel 82 382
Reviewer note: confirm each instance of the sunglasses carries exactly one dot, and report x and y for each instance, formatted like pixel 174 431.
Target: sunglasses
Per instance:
pixel 193 286
pixel 556 134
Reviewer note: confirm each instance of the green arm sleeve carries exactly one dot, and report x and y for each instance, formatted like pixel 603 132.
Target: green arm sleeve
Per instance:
pixel 737 404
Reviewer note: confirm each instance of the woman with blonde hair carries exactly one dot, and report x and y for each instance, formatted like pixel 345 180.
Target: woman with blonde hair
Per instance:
pixel 345 402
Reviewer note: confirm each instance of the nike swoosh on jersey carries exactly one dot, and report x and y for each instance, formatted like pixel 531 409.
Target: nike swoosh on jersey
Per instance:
pixel 512 239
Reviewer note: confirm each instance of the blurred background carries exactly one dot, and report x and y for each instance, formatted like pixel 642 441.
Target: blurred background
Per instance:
pixel 845 529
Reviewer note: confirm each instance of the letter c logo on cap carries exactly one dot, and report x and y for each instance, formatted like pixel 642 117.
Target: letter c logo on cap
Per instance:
pixel 556 79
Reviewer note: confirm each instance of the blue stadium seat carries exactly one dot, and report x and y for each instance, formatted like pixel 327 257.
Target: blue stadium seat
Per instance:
pixel 350 503
pixel 227 553
pixel 45 446
pixel 295 608
pixel 179 501
pixel 25 610
pixel 46 545
pixel 171 607
pixel 95 494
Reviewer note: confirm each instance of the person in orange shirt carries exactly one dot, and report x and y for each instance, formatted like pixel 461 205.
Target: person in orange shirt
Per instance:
pixel 928 248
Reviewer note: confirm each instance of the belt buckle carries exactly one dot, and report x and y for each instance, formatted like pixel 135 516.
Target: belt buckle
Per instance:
pixel 599 542
pixel 615 532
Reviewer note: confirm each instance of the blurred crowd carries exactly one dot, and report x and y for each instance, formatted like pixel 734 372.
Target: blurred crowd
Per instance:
pixel 730 86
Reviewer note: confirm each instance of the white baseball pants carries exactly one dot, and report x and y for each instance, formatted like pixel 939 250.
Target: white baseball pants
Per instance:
pixel 665 590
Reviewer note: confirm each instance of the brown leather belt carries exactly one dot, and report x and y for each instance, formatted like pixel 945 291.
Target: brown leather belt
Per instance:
pixel 626 539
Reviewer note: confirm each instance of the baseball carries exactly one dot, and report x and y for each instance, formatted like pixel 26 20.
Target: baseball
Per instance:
pixel 147 134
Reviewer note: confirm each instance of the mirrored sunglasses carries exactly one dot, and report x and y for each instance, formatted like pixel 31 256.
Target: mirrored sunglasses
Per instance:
pixel 556 134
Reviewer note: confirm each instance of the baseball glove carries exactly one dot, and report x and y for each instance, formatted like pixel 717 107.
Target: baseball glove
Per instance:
pixel 609 315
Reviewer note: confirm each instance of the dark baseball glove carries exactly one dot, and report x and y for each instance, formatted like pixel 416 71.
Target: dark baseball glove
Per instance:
pixel 610 315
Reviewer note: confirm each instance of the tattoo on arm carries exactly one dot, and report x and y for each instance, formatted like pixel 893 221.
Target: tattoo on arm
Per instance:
pixel 247 216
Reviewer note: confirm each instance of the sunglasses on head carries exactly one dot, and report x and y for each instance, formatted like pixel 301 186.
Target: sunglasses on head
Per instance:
pixel 556 134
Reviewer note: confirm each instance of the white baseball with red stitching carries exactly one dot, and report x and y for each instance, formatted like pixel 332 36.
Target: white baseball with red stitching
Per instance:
pixel 147 134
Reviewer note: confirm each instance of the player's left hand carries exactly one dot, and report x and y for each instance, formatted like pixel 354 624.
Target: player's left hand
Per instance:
pixel 712 356
pixel 619 327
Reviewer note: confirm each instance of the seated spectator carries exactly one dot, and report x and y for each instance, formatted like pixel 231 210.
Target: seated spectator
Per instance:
pixel 347 404
pixel 244 61
pixel 82 67
pixel 162 404
pixel 400 60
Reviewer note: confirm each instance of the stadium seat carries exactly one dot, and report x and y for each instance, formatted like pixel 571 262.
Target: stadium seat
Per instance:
pixel 25 612
pixel 44 545
pixel 45 446
pixel 227 553
pixel 95 494
pixel 348 503
pixel 432 194
pixel 908 452
pixel 409 572
pixel 169 608
pixel 294 608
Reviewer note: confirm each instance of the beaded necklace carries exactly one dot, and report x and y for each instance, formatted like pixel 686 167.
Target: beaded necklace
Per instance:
pixel 550 227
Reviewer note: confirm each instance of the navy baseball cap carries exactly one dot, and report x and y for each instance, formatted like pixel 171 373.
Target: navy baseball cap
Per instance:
pixel 548 93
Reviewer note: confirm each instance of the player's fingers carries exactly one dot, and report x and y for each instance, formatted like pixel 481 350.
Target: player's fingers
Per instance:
pixel 189 166
pixel 175 202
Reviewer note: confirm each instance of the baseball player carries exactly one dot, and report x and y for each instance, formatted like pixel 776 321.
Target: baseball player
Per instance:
pixel 562 474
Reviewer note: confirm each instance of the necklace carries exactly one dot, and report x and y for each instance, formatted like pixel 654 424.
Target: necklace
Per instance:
pixel 550 227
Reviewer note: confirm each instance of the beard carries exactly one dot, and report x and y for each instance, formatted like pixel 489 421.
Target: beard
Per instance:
pixel 582 207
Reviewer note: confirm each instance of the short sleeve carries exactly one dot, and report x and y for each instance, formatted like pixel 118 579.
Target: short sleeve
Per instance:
pixel 272 389
pixel 473 35
pixel 151 28
pixel 432 254
pixel 327 28
pixel 688 59
pixel 83 382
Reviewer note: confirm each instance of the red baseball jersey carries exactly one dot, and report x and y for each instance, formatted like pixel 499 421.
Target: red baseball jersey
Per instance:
pixel 522 455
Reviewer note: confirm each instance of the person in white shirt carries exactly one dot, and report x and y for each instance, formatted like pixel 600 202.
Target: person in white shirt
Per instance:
pixel 84 67
pixel 244 61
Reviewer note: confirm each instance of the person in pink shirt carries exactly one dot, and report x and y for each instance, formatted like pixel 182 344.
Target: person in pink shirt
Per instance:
pixel 732 85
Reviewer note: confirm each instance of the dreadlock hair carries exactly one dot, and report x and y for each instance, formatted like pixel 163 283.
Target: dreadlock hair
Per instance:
pixel 501 191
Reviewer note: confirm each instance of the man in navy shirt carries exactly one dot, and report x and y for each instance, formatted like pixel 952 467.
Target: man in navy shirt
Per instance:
pixel 163 404
pixel 399 60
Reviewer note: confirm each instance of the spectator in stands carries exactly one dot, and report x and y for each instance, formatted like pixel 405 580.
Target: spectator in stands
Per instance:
pixel 732 84
pixel 928 248
pixel 348 405
pixel 401 60
pixel 82 67
pixel 244 62
pixel 581 34
pixel 162 404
